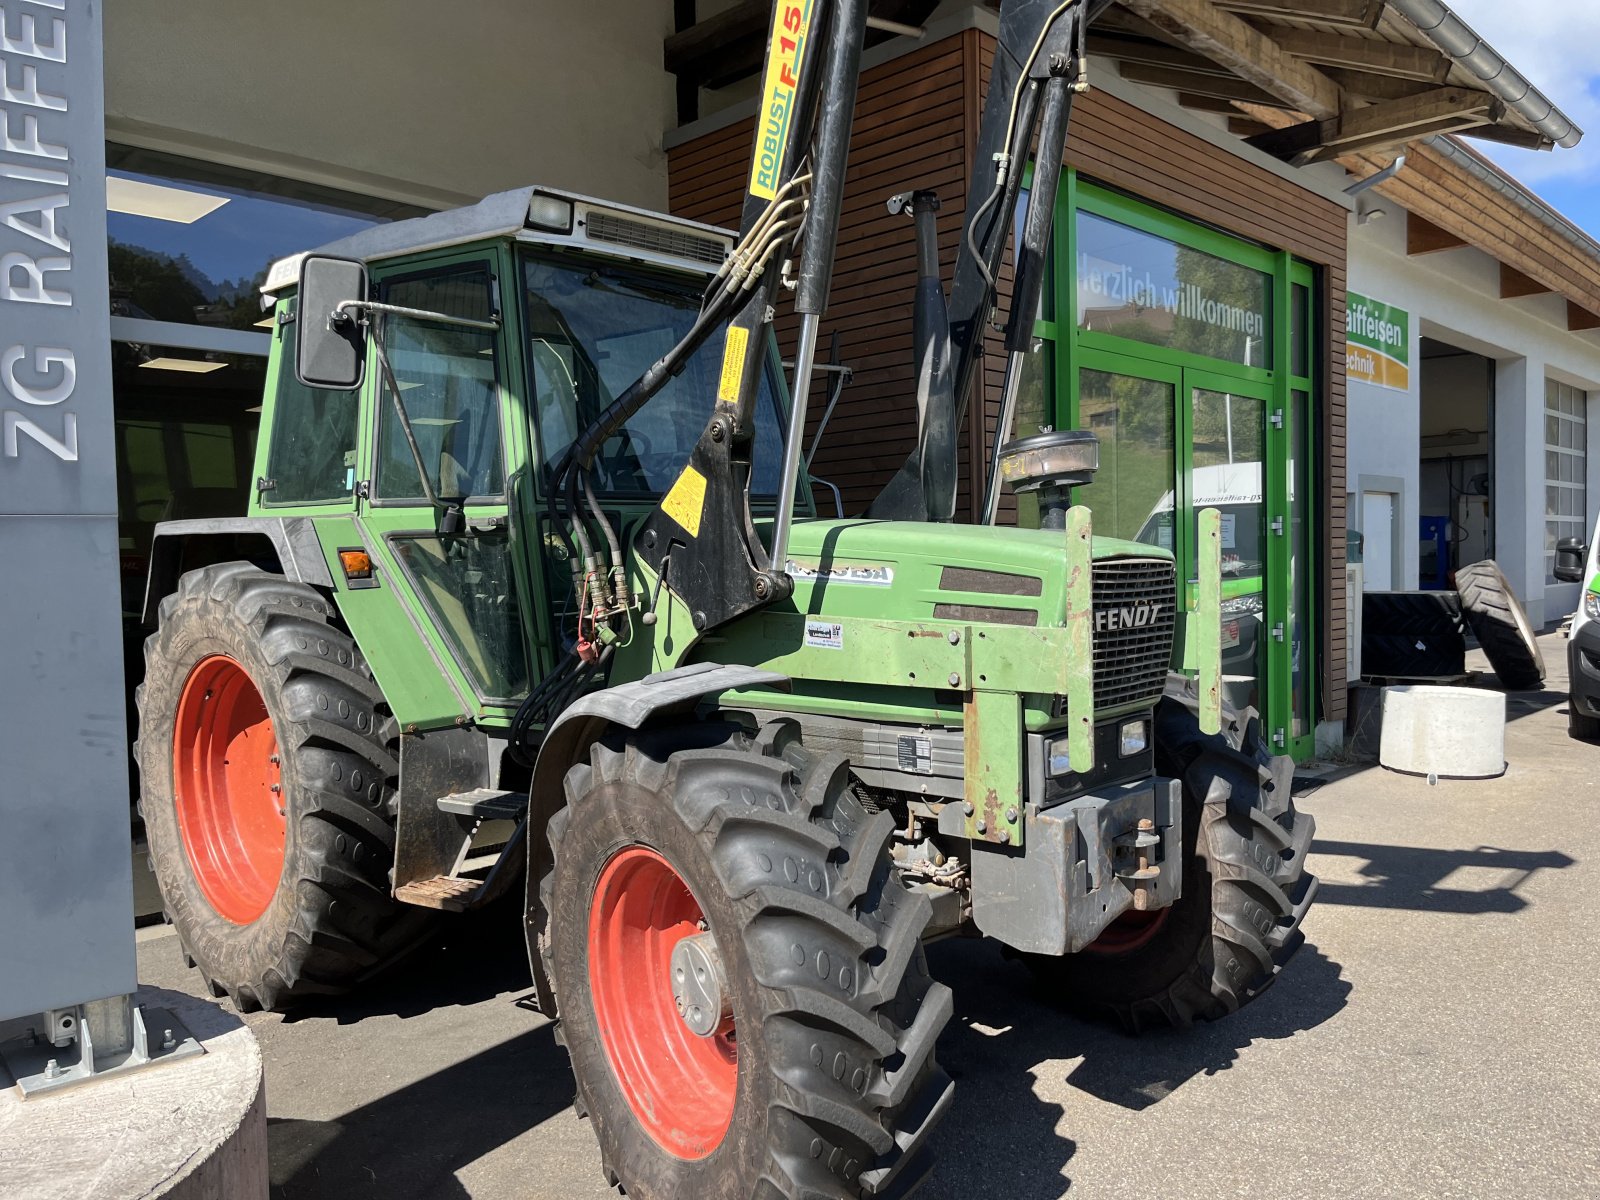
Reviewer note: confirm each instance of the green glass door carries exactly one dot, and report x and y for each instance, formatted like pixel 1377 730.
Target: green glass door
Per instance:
pixel 1175 440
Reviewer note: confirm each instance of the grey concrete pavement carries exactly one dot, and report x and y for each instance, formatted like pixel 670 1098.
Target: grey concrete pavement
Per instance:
pixel 1438 1037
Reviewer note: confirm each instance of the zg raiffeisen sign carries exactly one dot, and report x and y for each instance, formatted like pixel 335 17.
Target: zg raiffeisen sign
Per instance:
pixel 1377 344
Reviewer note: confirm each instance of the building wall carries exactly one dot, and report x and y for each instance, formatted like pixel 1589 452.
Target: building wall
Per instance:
pixel 915 119
pixel 432 104
pixel 1453 296
pixel 916 125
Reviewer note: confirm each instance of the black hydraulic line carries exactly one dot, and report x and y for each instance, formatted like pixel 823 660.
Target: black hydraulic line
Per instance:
pixel 1030 269
pixel 835 115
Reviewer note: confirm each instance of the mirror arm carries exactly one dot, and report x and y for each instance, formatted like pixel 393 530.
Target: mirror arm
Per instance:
pixel 345 308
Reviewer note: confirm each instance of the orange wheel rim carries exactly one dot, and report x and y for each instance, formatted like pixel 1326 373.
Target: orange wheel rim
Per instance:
pixel 227 789
pixel 680 1086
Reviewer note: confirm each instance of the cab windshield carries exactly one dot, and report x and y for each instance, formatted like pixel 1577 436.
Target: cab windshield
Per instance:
pixel 593 330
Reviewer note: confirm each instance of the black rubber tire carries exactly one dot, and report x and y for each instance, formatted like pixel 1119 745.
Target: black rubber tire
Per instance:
pixel 1500 625
pixel 838 1086
pixel 332 920
pixel 1245 886
pixel 1580 727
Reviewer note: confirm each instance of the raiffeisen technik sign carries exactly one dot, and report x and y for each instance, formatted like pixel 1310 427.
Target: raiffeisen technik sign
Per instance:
pixel 1378 344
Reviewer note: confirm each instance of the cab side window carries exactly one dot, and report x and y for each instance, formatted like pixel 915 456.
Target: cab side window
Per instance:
pixel 446 375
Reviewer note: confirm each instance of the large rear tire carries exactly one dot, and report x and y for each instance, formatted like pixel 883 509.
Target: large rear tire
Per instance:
pixel 1245 888
pixel 1500 625
pixel 821 1082
pixel 266 782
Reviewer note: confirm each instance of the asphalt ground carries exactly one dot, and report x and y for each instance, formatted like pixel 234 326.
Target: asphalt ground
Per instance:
pixel 1438 1036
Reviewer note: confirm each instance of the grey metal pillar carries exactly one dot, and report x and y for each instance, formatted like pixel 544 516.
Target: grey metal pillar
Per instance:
pixel 66 888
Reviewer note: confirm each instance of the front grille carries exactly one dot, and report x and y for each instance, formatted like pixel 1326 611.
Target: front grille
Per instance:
pixel 1131 653
pixel 661 239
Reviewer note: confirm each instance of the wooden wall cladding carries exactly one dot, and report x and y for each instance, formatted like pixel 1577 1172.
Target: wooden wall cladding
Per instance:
pixel 916 126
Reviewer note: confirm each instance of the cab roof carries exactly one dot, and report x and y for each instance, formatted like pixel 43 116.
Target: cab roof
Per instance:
pixel 541 214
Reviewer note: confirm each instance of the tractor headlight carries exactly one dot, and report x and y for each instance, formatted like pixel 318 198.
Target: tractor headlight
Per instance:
pixel 1133 738
pixel 1591 605
pixel 1240 606
pixel 1057 760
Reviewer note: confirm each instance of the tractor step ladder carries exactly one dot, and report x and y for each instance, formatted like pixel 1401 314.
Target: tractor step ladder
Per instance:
pixel 455 893
pixel 447 892
pixel 486 804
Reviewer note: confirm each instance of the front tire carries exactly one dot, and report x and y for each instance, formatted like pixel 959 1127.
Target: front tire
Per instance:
pixel 1222 943
pixel 822 1081
pixel 1580 727
pixel 266 781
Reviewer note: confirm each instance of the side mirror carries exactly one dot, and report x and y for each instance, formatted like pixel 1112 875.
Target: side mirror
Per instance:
pixel 329 348
pixel 1571 554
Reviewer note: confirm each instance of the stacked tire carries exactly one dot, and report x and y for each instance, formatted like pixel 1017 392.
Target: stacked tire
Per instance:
pixel 1501 626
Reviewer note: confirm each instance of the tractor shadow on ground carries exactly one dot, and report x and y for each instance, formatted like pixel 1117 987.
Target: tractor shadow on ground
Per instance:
pixel 467 958
pixel 1410 877
pixel 409 1144
pixel 1008 1038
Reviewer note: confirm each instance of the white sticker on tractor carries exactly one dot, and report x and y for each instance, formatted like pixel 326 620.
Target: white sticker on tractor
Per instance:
pixel 824 635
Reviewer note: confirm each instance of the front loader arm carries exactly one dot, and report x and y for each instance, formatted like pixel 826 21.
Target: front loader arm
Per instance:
pixel 1038 68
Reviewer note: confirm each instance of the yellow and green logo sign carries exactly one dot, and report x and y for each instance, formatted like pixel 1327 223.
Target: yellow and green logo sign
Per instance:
pixel 791 28
pixel 1378 344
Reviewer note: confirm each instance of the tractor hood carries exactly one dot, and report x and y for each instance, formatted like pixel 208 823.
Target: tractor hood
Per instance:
pixel 919 571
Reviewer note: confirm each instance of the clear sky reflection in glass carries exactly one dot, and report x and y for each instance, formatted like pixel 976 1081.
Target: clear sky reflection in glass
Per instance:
pixel 1135 285
pixel 198 254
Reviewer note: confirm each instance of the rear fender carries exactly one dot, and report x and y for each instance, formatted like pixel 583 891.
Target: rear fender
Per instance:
pixel 293 541
pixel 626 706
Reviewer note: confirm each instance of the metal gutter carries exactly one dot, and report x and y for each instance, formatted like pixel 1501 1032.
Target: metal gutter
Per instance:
pixel 1515 192
pixel 1455 38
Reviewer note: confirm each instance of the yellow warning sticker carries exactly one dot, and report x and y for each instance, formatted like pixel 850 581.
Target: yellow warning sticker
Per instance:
pixel 791 25
pixel 686 502
pixel 732 364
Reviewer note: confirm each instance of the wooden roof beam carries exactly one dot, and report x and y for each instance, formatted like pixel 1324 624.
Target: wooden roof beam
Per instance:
pixel 1244 50
pixel 1219 87
pixel 1372 87
pixel 1356 14
pixel 1514 285
pixel 1129 49
pixel 1424 237
pixel 1442 110
pixel 1364 54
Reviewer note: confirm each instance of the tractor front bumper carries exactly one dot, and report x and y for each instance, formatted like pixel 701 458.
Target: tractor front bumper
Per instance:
pixel 1082 864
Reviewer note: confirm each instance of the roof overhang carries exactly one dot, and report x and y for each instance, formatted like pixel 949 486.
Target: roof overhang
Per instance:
pixel 1356 76
pixel 1359 76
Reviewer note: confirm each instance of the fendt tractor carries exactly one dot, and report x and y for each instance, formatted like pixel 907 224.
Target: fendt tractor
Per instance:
pixel 531 594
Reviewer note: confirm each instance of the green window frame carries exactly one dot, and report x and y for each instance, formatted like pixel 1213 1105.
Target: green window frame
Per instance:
pixel 1291 379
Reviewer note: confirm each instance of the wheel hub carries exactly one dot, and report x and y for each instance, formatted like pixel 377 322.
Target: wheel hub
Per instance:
pixel 699 988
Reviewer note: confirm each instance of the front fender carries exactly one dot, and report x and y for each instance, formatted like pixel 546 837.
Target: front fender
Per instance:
pixel 626 706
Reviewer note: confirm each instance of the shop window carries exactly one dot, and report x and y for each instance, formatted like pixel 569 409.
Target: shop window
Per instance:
pixel 1135 285
pixel 190 242
pixel 1566 465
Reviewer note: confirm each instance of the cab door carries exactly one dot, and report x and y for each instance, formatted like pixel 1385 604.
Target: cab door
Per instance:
pixel 464 586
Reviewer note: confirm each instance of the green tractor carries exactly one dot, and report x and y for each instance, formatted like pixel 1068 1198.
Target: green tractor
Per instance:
pixel 508 611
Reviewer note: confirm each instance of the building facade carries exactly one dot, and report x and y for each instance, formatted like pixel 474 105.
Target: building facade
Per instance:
pixel 1196 316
